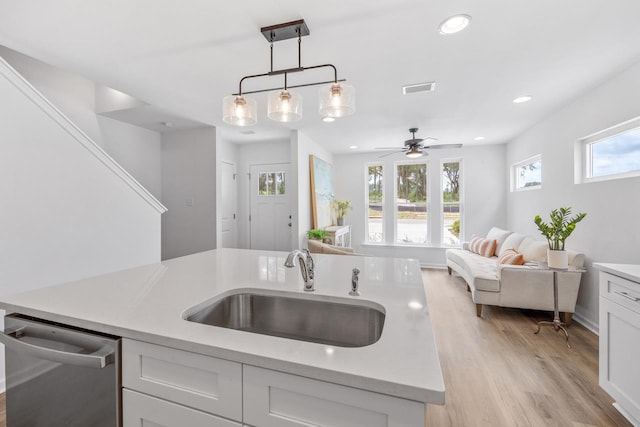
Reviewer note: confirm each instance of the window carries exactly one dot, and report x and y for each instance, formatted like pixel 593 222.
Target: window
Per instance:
pixel 612 153
pixel 451 203
pixel 411 203
pixel 375 203
pixel 271 183
pixel 527 174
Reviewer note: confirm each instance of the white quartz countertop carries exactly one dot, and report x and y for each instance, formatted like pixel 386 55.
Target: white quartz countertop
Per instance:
pixel 148 303
pixel 626 271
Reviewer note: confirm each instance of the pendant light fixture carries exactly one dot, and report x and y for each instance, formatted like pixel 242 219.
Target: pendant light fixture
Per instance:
pixel 337 99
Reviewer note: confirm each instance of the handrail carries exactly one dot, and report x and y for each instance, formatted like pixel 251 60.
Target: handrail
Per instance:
pixel 76 133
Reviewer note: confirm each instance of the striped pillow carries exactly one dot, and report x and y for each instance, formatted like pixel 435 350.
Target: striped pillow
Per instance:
pixel 511 257
pixel 484 247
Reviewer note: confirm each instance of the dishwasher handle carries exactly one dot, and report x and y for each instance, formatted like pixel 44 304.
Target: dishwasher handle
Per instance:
pixel 99 359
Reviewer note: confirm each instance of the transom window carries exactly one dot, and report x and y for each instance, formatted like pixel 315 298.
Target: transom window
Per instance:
pixel 612 153
pixel 527 174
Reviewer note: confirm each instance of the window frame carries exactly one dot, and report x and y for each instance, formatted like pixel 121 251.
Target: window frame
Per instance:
pixel 382 203
pixel 461 202
pixel 514 173
pixel 421 161
pixel 585 162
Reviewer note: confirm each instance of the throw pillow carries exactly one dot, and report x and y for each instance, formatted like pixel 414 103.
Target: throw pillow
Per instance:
pixel 511 257
pixel 484 247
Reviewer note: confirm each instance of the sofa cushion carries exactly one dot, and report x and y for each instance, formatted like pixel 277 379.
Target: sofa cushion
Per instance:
pixel 484 247
pixel 482 271
pixel 533 250
pixel 511 257
pixel 499 235
pixel 512 241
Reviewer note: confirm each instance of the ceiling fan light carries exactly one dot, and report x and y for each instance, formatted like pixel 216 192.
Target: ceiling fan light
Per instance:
pixel 239 111
pixel 337 100
pixel 284 106
pixel 414 153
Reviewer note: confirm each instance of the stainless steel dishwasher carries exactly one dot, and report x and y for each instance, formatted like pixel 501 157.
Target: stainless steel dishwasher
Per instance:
pixel 60 376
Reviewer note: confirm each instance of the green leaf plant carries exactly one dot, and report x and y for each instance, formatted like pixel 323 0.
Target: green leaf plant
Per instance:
pixel 559 228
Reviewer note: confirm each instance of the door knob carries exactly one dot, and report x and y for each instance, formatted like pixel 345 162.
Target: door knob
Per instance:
pixel 289 224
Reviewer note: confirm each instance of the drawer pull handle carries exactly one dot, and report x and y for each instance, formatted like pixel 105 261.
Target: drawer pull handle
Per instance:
pixel 626 295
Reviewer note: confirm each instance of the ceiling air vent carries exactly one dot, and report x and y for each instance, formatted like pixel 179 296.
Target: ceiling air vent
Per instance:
pixel 420 87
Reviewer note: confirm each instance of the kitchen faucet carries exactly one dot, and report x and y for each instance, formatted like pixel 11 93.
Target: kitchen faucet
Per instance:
pixel 306 267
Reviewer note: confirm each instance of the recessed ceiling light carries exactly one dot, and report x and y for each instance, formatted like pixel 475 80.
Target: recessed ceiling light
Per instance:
pixel 454 24
pixel 478 138
pixel 328 119
pixel 521 99
pixel 353 147
pixel 415 305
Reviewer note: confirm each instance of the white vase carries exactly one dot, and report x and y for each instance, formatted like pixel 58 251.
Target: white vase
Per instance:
pixel 340 221
pixel 557 259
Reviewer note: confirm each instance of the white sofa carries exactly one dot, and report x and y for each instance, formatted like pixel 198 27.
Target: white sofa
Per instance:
pixel 518 286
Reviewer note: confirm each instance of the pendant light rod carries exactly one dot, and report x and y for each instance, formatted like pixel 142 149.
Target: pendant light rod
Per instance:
pixel 290 87
pixel 286 71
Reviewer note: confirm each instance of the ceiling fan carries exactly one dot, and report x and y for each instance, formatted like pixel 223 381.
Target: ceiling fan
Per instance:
pixel 414 147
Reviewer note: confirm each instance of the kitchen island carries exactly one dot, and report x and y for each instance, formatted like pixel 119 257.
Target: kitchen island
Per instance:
pixel 147 306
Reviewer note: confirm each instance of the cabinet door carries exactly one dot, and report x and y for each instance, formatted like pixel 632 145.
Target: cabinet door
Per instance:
pixel 276 399
pixel 141 410
pixel 206 383
pixel 619 355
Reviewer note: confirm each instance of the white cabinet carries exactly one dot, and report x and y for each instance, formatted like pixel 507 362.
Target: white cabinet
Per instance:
pixel 339 235
pixel 620 343
pixel 142 410
pixel 276 399
pixel 166 387
pixel 205 383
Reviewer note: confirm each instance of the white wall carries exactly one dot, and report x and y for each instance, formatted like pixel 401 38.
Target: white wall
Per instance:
pixel 301 148
pixel 188 191
pixel 135 148
pixel 266 152
pixel 483 189
pixel 611 230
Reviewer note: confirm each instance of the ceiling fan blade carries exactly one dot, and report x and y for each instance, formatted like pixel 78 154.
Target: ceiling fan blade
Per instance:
pixel 441 146
pixel 390 154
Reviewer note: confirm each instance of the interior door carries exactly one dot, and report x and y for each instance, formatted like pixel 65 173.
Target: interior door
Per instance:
pixel 270 207
pixel 228 202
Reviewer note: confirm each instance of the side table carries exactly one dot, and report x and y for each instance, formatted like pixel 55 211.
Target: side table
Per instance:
pixel 556 322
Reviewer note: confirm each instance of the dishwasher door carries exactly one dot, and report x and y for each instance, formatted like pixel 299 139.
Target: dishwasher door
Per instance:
pixel 60 376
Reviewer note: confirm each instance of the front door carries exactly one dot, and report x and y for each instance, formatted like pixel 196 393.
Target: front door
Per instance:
pixel 270 207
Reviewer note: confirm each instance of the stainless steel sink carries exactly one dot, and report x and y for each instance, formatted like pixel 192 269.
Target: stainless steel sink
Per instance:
pixel 334 323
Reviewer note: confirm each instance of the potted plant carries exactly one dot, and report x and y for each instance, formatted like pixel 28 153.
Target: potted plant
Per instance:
pixel 317 234
pixel 341 207
pixel 556 231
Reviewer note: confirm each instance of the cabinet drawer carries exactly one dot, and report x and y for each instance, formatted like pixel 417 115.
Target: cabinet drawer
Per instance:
pixel 205 383
pixel 276 399
pixel 623 291
pixel 141 410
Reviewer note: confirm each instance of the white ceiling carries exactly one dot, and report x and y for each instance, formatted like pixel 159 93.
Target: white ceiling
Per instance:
pixel 184 57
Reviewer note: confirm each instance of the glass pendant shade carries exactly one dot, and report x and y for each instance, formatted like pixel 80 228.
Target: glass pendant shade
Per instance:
pixel 239 111
pixel 337 100
pixel 414 153
pixel 284 106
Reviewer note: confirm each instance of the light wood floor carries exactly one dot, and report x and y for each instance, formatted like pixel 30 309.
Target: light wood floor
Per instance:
pixel 497 372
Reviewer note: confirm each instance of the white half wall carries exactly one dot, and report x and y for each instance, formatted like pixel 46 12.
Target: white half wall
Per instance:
pixel 188 191
pixel 136 149
pixel 68 210
pixel 483 189
pixel 611 230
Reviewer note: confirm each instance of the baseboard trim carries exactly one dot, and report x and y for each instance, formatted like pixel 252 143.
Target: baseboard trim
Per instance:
pixel 592 326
